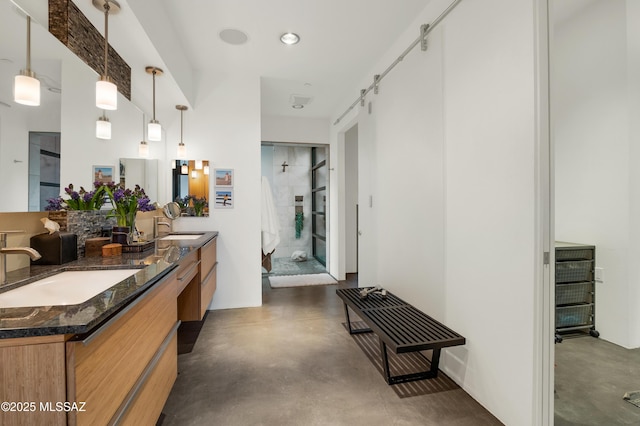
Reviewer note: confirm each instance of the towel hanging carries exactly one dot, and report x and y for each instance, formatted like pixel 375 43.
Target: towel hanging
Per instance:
pixel 299 223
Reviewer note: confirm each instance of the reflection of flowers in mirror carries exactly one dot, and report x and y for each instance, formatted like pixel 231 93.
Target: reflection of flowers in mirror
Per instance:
pixel 79 200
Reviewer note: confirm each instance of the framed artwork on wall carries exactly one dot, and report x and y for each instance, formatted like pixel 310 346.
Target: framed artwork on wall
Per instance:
pixel 224 198
pixel 103 174
pixel 224 177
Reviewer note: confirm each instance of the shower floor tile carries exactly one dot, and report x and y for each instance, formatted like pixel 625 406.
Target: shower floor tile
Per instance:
pixel 286 266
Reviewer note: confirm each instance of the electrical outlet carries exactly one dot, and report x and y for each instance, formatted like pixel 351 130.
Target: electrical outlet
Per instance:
pixel 599 274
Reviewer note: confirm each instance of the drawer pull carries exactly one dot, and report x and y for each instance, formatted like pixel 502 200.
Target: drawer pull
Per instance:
pixel 182 278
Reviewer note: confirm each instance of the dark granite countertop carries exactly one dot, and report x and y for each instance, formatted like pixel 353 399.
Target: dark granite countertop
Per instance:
pixel 80 319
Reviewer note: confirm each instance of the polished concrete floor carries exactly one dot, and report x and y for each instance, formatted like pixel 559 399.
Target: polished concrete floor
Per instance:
pixel 291 362
pixel 591 377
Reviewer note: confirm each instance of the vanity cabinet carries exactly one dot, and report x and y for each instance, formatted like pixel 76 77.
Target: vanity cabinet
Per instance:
pixel 195 298
pixel 32 359
pixel 125 369
pixel 208 265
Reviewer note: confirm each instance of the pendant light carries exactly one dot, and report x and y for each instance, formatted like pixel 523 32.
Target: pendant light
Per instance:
pixel 143 148
pixel 106 90
pixel 103 127
pixel 194 174
pixel 182 150
pixel 184 169
pixel 206 170
pixel 26 87
pixel 198 165
pixel 154 131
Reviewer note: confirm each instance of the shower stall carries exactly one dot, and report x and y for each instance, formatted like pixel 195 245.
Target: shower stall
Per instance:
pixel 298 176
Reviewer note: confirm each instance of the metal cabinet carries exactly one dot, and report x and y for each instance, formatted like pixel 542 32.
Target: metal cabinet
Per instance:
pixel 575 288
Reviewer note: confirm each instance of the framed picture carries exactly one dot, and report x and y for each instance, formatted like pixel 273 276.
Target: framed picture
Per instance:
pixel 103 174
pixel 224 198
pixel 224 177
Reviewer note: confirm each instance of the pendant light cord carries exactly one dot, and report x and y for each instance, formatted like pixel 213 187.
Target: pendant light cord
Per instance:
pixel 28 43
pixel 181 115
pixel 106 38
pixel 154 95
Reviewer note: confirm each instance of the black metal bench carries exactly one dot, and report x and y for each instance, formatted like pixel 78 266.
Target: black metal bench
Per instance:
pixel 400 327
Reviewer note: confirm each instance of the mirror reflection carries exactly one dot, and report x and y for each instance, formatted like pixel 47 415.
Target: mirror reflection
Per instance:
pixel 140 171
pixel 45 148
pixel 191 186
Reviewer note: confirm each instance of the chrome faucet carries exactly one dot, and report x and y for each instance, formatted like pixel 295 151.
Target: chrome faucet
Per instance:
pixel 4 251
pixel 156 225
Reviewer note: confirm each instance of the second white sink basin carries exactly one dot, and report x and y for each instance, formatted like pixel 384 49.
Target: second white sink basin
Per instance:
pixel 65 288
pixel 182 237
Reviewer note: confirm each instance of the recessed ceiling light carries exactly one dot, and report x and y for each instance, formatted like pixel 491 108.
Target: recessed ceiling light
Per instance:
pixel 297 106
pixel 290 38
pixel 233 36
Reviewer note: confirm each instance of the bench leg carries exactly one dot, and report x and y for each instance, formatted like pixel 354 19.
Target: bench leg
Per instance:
pixel 351 330
pixel 403 378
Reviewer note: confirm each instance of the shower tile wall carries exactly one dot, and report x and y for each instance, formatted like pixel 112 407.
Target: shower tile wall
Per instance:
pixel 295 180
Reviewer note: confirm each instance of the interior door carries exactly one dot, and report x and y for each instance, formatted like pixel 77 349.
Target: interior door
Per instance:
pixel 319 185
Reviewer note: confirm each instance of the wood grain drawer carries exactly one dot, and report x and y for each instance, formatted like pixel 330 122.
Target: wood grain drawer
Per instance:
pixel 32 373
pixel 150 399
pixel 187 270
pixel 104 368
pixel 208 257
pixel 207 289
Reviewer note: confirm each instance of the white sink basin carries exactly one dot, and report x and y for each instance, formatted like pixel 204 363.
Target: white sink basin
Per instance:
pixel 65 288
pixel 182 237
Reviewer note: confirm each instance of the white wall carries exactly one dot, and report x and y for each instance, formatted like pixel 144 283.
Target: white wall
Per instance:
pixel 448 156
pixel 633 93
pixel 224 127
pixel 595 155
pixel 293 129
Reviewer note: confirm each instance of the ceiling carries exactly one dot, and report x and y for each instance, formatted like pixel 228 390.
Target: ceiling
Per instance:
pixel 340 43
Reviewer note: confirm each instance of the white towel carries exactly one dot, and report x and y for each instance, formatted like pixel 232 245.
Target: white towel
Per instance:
pixel 270 227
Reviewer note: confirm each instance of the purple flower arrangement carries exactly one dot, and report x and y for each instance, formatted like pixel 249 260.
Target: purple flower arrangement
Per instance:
pixel 125 202
pixel 79 200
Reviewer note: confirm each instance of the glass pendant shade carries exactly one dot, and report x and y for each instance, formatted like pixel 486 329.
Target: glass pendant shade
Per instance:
pixel 198 165
pixel 154 131
pixel 143 150
pixel 26 90
pixel 194 174
pixel 106 95
pixel 182 151
pixel 184 169
pixel 206 170
pixel 103 128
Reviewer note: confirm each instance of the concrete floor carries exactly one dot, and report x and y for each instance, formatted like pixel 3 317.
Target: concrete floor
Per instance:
pixel 591 377
pixel 291 362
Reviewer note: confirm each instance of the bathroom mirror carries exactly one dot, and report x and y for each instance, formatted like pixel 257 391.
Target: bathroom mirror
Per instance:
pixel 37 168
pixel 190 186
pixel 140 171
